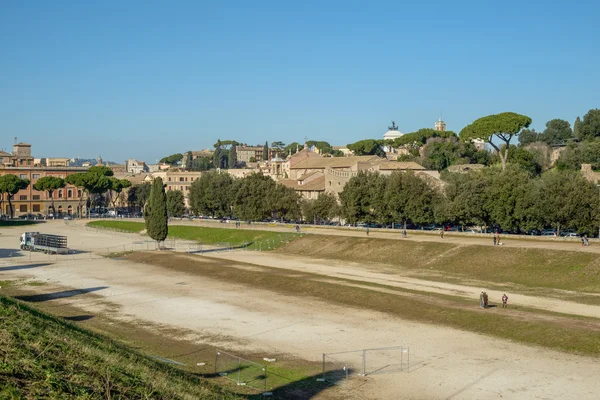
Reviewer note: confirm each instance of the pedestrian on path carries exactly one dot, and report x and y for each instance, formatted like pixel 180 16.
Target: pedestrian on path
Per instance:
pixel 367 231
pixel 504 301
pixel 442 233
pixel 481 300
pixel 485 300
pixel 494 239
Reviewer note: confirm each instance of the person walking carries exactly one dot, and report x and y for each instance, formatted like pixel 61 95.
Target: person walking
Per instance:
pixel 404 233
pixel 481 300
pixel 485 300
pixel 504 301
pixel 367 231
pixel 494 239
pixel 442 232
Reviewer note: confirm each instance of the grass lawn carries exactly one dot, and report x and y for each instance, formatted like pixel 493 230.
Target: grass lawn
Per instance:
pixel 529 268
pixel 253 239
pixel 46 357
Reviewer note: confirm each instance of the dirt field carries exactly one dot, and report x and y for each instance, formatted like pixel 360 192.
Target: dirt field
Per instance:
pixel 448 363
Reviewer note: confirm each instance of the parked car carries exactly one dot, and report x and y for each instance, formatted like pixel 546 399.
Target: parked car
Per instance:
pixel 548 232
pixel 569 234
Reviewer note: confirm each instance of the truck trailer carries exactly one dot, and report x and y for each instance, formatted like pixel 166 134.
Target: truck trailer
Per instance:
pixel 50 244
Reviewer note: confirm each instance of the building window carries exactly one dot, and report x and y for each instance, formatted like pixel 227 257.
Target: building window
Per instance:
pixel 186 178
pixel 35 176
pixel 329 183
pixel 23 176
pixel 23 208
pixel 36 208
pixel 181 179
pixel 35 197
pixel 79 193
pixel 23 197
pixel 60 194
pixel 69 193
pixel 169 179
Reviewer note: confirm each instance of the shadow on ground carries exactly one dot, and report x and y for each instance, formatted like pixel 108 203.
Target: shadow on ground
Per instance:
pixel 79 318
pixel 36 298
pixel 19 267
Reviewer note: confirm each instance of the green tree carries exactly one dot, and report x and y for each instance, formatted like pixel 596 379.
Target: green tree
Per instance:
pixel 138 195
pixel 201 164
pixel 188 161
pixel 292 148
pixel 503 126
pixel 557 131
pixel 116 188
pixel 232 157
pixel 175 203
pixel 408 198
pixel 463 200
pixel 590 126
pixel 278 145
pixel 507 197
pixel 266 151
pixel 284 202
pixel 10 185
pixel 155 213
pixel 524 159
pixel 173 159
pixel 367 147
pixel 212 194
pixel 565 199
pixel 420 137
pixel 362 197
pixel 251 198
pixel 49 184
pixel 96 183
pixel 79 181
pixel 528 136
pixel 322 209
pixel 577 128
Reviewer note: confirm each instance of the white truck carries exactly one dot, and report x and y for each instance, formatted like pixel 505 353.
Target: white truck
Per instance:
pixel 50 244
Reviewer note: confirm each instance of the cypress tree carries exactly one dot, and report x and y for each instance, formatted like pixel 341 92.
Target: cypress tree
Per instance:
pixel 266 151
pixel 577 128
pixel 232 157
pixel 155 213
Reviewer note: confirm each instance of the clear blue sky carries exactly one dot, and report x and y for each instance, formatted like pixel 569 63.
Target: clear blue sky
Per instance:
pixel 146 79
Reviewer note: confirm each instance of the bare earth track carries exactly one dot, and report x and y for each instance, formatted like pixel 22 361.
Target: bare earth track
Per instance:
pixel 449 363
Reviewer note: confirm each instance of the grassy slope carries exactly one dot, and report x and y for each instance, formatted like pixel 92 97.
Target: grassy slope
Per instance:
pixel 535 268
pixel 236 237
pixel 44 357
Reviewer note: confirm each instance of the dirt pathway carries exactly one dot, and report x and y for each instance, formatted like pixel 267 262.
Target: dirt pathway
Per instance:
pixel 361 273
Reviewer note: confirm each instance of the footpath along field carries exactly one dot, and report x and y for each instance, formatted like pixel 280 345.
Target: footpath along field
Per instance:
pixel 292 306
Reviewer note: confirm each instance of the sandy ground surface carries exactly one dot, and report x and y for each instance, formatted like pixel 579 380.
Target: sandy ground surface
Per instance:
pixel 361 273
pixel 447 363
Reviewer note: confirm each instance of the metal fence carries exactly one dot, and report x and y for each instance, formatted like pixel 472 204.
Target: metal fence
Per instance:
pixel 241 371
pixel 339 367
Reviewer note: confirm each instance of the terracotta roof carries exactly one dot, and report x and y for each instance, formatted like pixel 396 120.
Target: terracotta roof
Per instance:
pixel 333 162
pixel 4 154
pixel 306 176
pixel 400 165
pixel 317 184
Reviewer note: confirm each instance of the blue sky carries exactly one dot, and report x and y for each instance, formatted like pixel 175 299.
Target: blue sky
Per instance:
pixel 145 79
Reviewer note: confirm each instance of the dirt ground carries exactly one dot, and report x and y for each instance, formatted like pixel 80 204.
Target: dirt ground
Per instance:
pixel 447 363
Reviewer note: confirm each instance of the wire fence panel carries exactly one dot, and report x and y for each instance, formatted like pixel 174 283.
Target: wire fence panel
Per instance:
pixel 385 360
pixel 335 371
pixel 243 372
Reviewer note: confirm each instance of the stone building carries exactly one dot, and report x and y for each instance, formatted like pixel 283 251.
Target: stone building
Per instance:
pixel 134 166
pixel 178 180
